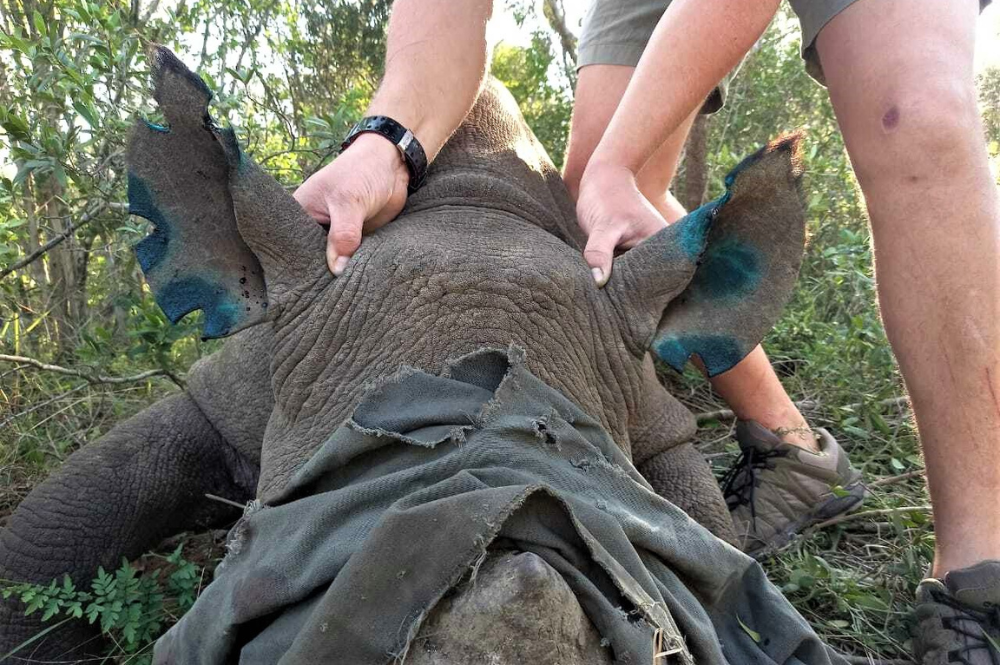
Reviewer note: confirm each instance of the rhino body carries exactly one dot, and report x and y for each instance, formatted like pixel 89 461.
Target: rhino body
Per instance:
pixel 486 255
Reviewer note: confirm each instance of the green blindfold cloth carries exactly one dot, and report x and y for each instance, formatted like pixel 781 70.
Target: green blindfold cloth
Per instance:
pixel 483 455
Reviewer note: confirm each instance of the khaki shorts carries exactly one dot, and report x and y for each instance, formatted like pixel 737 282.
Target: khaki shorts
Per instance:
pixel 615 32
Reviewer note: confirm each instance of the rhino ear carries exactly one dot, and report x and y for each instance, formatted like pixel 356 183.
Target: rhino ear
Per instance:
pixel 288 242
pixel 178 179
pixel 713 283
pixel 748 268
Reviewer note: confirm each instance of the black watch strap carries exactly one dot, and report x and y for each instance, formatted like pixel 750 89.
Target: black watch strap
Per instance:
pixel 408 145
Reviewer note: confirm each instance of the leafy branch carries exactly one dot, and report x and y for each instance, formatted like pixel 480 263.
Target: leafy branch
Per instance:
pixel 85 219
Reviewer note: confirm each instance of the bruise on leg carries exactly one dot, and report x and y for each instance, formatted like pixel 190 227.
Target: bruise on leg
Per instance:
pixel 890 120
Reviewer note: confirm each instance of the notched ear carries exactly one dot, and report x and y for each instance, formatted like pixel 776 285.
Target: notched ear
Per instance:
pixel 748 268
pixel 178 179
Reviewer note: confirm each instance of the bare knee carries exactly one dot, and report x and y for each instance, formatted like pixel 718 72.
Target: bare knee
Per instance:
pixel 921 132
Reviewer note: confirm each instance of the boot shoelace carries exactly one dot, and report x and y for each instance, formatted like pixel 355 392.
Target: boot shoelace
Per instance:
pixel 972 624
pixel 740 482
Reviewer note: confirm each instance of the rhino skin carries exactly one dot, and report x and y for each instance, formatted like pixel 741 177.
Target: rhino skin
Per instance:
pixel 517 609
pixel 487 254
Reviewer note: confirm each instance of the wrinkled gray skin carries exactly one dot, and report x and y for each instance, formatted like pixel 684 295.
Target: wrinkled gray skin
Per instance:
pixel 487 254
pixel 522 595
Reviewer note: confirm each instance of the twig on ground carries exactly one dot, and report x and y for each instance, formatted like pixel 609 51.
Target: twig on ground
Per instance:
pixel 805 405
pixel 712 456
pixel 228 502
pixel 726 414
pixel 870 513
pixel 702 447
pixel 90 377
pixel 892 480
pixel 719 414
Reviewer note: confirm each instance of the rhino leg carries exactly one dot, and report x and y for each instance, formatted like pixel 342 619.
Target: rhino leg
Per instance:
pixel 659 432
pixel 682 476
pixel 118 497
pixel 516 610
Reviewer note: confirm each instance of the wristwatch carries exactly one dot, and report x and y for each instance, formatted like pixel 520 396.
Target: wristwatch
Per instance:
pixel 409 147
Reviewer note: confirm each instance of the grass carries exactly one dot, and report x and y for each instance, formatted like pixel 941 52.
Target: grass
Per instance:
pixel 853 581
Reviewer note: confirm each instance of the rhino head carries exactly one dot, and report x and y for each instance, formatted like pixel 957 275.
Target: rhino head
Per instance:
pixel 487 254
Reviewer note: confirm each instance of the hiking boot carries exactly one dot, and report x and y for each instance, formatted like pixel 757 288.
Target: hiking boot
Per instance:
pixel 775 489
pixel 958 618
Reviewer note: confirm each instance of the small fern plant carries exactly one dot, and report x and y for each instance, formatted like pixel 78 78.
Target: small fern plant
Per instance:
pixel 131 608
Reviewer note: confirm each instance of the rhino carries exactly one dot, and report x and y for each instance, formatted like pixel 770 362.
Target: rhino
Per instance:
pixel 466 342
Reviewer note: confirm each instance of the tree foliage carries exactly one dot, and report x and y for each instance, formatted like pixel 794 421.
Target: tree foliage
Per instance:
pixel 74 77
pixel 547 106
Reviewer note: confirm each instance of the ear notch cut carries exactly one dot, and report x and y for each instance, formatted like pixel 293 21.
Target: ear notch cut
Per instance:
pixel 748 268
pixel 178 179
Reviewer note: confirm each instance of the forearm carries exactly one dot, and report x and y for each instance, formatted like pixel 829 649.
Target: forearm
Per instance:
pixel 435 61
pixel 436 57
pixel 695 44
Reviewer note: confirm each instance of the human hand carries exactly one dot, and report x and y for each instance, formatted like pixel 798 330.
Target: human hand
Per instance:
pixel 361 190
pixel 613 213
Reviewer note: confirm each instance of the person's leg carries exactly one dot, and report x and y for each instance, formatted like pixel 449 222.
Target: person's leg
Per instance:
pixel 599 90
pixel 751 389
pixel 900 74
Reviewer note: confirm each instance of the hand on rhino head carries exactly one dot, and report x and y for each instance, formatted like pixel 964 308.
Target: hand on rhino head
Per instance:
pixel 367 185
pixel 467 265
